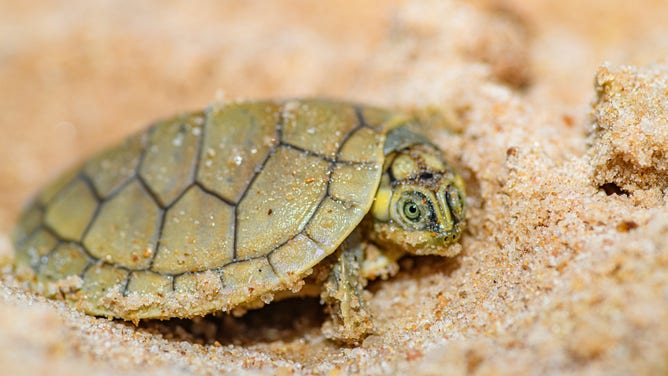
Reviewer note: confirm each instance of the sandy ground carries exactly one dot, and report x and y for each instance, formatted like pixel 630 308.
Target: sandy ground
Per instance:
pixel 565 262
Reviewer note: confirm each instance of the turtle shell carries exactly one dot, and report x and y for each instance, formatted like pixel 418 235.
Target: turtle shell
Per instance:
pixel 205 211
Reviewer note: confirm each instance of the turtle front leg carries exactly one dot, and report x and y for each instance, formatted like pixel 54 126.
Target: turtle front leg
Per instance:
pixel 342 293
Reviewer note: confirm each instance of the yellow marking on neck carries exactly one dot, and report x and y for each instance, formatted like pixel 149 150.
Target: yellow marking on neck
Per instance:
pixel 381 205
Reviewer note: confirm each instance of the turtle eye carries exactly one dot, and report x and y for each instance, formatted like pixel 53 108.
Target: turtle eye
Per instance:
pixel 412 210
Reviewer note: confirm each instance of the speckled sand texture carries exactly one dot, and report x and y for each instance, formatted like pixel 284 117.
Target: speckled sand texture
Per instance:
pixel 558 118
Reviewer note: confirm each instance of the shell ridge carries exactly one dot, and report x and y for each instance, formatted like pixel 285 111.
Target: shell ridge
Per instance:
pixel 44 227
pixel 194 182
pixel 124 284
pixel 148 136
pixel 256 173
pixel 333 164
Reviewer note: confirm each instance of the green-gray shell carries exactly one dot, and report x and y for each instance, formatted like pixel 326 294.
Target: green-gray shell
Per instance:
pixel 206 211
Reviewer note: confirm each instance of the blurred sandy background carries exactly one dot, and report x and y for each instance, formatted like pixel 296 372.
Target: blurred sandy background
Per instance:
pixel 543 284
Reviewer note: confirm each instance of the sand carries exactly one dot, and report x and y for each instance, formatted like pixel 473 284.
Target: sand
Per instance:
pixel 556 115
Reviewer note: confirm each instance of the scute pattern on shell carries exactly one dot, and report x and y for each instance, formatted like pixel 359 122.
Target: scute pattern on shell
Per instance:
pixel 243 199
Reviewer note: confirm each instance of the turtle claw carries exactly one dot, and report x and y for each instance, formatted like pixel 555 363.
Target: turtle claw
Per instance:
pixel 342 293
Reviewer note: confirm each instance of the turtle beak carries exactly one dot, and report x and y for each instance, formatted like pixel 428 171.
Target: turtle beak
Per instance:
pixel 446 219
pixel 451 202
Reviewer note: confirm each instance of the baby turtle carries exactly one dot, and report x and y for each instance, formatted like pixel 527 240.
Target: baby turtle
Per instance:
pixel 232 207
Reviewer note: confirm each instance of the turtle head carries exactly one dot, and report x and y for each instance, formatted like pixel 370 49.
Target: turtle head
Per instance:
pixel 419 206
